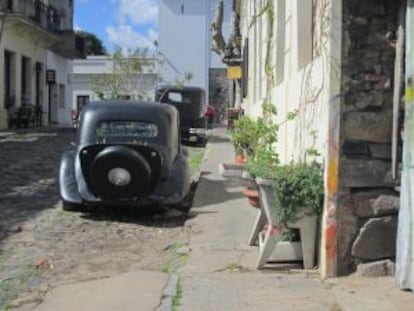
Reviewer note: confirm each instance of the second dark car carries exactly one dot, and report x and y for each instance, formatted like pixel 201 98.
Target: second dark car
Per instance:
pixel 191 104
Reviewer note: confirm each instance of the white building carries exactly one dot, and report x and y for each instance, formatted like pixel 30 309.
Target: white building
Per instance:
pixel 140 86
pixel 298 74
pixel 185 39
pixel 37 40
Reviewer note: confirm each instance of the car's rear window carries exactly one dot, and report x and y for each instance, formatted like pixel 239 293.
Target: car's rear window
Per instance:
pixel 124 131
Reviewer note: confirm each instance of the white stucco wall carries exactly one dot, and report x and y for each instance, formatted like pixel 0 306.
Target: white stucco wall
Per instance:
pixel 301 81
pixel 24 38
pixel 22 45
pixel 63 69
pixel 185 39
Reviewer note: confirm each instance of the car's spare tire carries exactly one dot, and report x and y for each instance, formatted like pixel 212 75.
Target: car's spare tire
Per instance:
pixel 119 172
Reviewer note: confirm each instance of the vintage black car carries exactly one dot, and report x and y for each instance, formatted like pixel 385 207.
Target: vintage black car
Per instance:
pixel 127 152
pixel 191 104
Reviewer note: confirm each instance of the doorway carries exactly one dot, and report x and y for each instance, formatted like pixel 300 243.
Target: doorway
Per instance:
pixel 81 100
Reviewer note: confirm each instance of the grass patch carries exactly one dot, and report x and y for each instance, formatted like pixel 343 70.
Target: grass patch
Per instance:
pixel 234 267
pixel 165 268
pixel 26 278
pixel 176 301
pixel 328 285
pixel 196 158
pixel 183 259
pixel 8 293
pixel 170 265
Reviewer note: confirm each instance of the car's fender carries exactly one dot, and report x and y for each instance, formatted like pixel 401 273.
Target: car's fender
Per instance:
pixel 68 187
pixel 178 183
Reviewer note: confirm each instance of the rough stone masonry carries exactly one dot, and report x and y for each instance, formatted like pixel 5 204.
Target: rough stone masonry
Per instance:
pixel 367 201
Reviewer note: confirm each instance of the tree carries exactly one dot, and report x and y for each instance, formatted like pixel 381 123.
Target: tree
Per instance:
pixel 230 51
pixel 126 75
pixel 94 45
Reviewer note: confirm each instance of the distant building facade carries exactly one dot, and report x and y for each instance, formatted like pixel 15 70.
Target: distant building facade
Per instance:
pixel 140 86
pixel 37 42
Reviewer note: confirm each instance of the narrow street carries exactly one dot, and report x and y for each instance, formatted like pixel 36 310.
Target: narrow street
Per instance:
pixel 42 246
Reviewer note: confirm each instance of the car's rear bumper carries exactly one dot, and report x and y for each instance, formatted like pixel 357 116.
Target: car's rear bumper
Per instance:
pixel 172 190
pixel 194 135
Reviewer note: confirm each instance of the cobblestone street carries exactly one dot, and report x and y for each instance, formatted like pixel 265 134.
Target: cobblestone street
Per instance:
pixel 42 246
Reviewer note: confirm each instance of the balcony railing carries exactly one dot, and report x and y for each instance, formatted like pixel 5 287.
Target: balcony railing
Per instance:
pixel 41 14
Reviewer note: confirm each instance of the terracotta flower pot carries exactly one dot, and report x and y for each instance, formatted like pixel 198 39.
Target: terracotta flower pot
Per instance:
pixel 253 196
pixel 240 159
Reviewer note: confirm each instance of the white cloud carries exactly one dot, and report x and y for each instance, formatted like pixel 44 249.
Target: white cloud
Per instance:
pixel 139 12
pixel 125 37
pixel 152 34
pixel 76 27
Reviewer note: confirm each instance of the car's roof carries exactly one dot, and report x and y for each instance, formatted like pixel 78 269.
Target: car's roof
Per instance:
pixel 124 104
pixel 164 116
pixel 176 88
pixel 127 110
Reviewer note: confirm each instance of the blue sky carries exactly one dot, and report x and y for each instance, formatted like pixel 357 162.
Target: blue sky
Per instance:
pixel 126 23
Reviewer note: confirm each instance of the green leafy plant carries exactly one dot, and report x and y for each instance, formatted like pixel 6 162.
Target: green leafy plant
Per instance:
pixel 298 188
pixel 244 136
pixel 264 159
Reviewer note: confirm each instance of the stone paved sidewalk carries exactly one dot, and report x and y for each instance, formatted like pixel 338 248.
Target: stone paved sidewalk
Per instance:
pixel 221 272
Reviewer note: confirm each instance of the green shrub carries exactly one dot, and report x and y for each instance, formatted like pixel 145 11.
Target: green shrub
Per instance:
pixel 265 159
pixel 297 187
pixel 244 135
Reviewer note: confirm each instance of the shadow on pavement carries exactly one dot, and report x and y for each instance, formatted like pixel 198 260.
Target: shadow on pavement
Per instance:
pixel 218 139
pixel 29 169
pixel 149 216
pixel 210 191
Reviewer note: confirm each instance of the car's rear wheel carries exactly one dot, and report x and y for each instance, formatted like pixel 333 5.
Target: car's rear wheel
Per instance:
pixel 119 172
pixel 186 203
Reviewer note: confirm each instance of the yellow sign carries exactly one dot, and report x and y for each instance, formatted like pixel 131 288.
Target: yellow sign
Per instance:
pixel 234 72
pixel 409 94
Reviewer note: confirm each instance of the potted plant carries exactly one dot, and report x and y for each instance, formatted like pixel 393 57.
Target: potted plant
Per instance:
pixel 262 161
pixel 244 136
pixel 293 200
pixel 298 190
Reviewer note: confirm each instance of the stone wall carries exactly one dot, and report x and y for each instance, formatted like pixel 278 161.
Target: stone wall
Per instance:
pixel 218 88
pixel 367 202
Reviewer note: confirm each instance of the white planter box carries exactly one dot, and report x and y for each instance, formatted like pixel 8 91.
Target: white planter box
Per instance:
pixel 269 249
pixel 287 251
pixel 231 169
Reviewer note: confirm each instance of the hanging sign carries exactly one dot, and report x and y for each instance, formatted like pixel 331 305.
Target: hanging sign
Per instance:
pixel 50 76
pixel 234 72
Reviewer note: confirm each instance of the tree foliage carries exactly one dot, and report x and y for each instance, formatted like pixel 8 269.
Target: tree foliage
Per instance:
pixel 229 51
pixel 125 77
pixel 94 45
